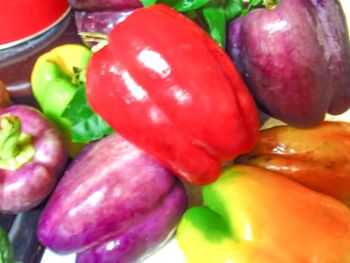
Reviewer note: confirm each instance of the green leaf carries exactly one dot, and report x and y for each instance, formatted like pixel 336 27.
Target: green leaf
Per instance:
pixel 6 250
pixel 86 124
pixel 233 8
pixel 148 2
pixel 216 20
pixel 189 5
pixel 179 5
pixel 255 3
pixel 252 4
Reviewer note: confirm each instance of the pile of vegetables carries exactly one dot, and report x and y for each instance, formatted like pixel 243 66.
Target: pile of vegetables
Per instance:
pixel 131 122
pixel 115 212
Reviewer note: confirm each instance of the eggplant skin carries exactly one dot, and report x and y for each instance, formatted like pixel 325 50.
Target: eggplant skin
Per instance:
pixel 111 190
pixel 295 59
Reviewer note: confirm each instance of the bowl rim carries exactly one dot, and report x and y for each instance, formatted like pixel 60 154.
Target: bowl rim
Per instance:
pixel 36 34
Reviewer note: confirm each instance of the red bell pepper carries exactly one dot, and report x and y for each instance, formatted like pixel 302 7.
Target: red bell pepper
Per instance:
pixel 170 89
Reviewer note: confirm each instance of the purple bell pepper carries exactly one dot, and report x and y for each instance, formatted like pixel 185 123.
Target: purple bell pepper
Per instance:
pixel 101 22
pixel 96 18
pixel 295 58
pixel 32 156
pixel 98 5
pixel 113 204
pixel 140 240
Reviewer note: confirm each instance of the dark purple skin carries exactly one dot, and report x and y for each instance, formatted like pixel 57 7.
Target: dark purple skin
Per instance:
pixel 98 5
pixel 30 184
pixel 108 190
pixel 99 21
pixel 141 239
pixel 234 43
pixel 333 20
pixel 295 59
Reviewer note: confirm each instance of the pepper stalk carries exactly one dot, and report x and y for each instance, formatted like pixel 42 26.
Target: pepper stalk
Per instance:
pixel 16 148
pixel 270 4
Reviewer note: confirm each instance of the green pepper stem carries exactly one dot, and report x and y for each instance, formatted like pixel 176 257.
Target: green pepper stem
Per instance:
pixel 270 4
pixel 79 76
pixel 9 135
pixel 16 148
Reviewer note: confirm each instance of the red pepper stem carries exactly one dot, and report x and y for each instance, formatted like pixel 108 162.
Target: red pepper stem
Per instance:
pixel 9 136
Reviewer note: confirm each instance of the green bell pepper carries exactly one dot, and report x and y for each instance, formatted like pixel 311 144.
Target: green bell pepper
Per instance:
pixel 55 79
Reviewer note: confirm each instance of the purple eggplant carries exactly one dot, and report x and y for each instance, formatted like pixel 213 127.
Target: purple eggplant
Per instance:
pixel 295 58
pixel 114 203
pixel 32 157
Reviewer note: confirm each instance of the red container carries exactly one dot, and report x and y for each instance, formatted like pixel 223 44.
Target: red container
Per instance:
pixel 22 20
pixel 27 30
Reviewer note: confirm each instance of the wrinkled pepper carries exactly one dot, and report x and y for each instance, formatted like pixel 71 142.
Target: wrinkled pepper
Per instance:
pixel 171 90
pixel 55 78
pixel 318 157
pixel 254 215
pixel 32 157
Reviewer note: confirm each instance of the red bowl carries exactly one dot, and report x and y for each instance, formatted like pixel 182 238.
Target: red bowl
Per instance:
pixel 22 20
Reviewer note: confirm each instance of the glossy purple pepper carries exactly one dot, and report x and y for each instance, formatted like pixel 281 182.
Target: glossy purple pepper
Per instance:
pixel 96 17
pixel 140 240
pixel 112 191
pixel 101 22
pixel 32 156
pixel 295 58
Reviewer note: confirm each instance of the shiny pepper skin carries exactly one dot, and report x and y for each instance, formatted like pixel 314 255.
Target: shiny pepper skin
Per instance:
pixel 318 157
pixel 55 78
pixel 254 215
pixel 295 58
pixel 171 90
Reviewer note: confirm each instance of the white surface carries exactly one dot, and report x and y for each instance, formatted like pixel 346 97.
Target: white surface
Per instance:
pixel 170 253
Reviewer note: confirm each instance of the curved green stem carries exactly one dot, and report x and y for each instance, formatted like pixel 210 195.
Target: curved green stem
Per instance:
pixel 270 4
pixel 15 147
pixel 79 76
pixel 9 135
